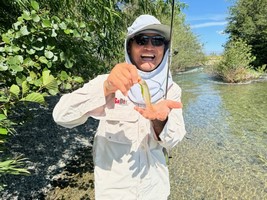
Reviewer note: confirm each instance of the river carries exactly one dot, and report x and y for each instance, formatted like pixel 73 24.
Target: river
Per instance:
pixel 224 154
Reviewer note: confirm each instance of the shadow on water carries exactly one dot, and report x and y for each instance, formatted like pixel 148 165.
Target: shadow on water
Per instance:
pixel 56 157
pixel 224 154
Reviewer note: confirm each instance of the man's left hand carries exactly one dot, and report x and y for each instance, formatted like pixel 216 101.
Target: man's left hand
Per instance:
pixel 160 110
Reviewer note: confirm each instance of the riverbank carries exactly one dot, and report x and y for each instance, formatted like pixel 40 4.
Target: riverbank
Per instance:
pixel 252 76
pixel 59 159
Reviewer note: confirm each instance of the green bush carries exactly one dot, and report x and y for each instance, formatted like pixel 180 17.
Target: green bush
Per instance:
pixel 34 63
pixel 235 65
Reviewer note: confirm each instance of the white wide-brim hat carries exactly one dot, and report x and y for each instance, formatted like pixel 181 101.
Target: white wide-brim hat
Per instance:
pixel 146 23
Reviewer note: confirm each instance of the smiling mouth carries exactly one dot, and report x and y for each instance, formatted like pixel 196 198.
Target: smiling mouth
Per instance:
pixel 148 57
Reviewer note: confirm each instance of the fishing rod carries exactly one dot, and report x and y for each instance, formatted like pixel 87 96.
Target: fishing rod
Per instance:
pixel 170 49
pixel 167 152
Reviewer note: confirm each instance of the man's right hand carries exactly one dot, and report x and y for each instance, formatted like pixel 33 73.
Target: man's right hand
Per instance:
pixel 122 77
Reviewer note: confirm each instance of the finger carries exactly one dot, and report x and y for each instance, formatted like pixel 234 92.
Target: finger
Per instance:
pixel 160 118
pixel 127 78
pixel 142 111
pixel 134 74
pixel 174 104
pixel 121 69
pixel 128 71
pixel 146 113
pixel 120 82
pixel 138 109
pixel 123 87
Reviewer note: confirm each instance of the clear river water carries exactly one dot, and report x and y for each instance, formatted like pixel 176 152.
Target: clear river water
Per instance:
pixel 224 154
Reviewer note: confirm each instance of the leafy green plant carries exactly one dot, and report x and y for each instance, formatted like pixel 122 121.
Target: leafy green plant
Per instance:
pixel 9 166
pixel 235 65
pixel 34 64
pixel 31 56
pixel 248 21
pixel 12 166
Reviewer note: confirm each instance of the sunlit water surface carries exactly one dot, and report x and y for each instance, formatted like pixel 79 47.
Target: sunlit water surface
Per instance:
pixel 224 154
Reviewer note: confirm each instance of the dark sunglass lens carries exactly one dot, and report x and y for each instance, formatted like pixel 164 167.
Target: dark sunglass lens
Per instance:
pixel 158 41
pixel 141 40
pixel 155 40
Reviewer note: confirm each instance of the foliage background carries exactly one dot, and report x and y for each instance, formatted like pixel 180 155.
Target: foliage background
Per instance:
pixel 248 21
pixel 49 47
pixel 244 57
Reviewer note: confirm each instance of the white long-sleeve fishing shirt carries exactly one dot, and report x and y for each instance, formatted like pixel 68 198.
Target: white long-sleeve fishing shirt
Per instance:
pixel 129 161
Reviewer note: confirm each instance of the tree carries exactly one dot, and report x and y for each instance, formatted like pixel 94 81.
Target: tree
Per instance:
pixel 190 51
pixel 248 21
pixel 235 64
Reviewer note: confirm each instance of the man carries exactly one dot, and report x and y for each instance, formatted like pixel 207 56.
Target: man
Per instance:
pixel 128 157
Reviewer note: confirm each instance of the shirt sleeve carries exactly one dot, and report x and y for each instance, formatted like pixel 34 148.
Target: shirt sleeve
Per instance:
pixel 174 130
pixel 73 109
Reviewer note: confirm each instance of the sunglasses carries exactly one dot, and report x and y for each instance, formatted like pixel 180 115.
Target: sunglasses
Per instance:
pixel 156 41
